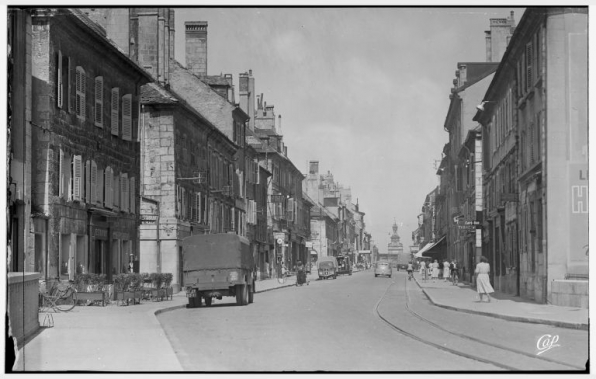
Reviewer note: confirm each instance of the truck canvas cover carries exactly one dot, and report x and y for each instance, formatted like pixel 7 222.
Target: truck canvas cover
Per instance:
pixel 216 251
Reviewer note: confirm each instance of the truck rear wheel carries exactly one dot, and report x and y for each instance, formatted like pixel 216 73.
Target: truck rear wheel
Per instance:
pixel 251 294
pixel 241 294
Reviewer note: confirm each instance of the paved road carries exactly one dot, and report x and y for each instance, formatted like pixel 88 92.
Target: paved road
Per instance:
pixel 337 325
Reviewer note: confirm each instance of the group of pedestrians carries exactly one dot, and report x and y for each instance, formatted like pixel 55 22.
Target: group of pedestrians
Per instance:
pixel 433 271
pixel 451 270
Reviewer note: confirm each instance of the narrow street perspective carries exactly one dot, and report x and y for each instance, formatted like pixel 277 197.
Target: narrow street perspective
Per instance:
pixel 422 208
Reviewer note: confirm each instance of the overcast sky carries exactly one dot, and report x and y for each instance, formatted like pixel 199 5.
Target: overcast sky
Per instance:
pixel 364 91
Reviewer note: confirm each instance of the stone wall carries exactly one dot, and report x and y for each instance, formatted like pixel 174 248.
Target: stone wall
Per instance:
pixel 23 304
pixel 569 293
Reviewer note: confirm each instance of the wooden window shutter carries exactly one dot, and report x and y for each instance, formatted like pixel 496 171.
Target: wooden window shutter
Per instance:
pixel 93 193
pixel 77 171
pixel 61 175
pixel 69 73
pixel 87 175
pixel 133 195
pixel 115 191
pixel 529 61
pixel 123 192
pixel 127 117
pixel 115 111
pixel 81 88
pixel 99 101
pixel 59 93
pixel 108 181
pixel 99 188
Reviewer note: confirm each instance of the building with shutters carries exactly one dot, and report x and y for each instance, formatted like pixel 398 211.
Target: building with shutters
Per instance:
pixel 535 158
pixel 84 180
pixel 288 214
pixel 192 164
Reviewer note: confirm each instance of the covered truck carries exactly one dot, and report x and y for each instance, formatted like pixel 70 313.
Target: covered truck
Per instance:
pixel 217 265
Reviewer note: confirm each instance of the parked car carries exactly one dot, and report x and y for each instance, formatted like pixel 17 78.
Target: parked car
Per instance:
pixel 383 268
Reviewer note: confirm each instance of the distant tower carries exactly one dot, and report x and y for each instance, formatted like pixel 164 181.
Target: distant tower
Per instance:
pixel 395 247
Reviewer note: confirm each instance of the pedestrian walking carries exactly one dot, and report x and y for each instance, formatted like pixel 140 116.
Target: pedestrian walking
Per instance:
pixel 454 272
pixel 445 270
pixel 435 273
pixel 482 280
pixel 423 271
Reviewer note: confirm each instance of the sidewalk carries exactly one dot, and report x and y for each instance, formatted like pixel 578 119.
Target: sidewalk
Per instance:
pixel 464 298
pixel 112 338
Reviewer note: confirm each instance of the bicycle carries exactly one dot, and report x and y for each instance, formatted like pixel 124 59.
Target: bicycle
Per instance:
pixel 59 296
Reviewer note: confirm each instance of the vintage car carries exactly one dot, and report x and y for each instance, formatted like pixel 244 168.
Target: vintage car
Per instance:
pixel 383 268
pixel 327 267
pixel 344 266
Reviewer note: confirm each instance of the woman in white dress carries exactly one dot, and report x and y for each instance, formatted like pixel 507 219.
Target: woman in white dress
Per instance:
pixel 482 280
pixel 445 270
pixel 423 271
pixel 435 274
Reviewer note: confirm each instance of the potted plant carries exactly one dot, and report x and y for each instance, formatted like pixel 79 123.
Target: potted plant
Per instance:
pixel 90 288
pixel 122 290
pixel 156 280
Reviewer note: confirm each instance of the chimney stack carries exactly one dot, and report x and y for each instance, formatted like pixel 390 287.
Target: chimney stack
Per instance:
pixel 497 38
pixel 247 100
pixel 196 47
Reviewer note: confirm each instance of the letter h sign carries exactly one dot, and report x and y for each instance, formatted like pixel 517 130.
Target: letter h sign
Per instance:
pixel 579 199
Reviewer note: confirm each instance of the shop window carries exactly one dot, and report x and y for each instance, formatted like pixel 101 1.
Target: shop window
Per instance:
pixel 81 256
pixel 65 253
pixel 116 258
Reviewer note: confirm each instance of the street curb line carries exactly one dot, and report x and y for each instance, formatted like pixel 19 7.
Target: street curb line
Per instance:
pixel 561 324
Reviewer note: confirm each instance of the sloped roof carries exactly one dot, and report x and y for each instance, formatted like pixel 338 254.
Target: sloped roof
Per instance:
pixel 476 71
pixel 155 94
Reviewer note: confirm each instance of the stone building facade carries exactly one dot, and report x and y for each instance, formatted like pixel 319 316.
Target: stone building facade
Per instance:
pixel 535 133
pixel 86 175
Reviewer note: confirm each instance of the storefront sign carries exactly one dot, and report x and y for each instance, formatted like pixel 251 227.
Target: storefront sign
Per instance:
pixel 478 172
pixel 578 213
pixel 148 219
pixel 100 233
pixel 120 236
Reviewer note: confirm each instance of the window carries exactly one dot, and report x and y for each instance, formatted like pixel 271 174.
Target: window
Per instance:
pixel 127 117
pixel 65 175
pixel 115 192
pixel 99 188
pixel 81 88
pixel 529 71
pixel 77 173
pixel 59 86
pixel 108 188
pixel 124 195
pixel 93 192
pixel 115 110
pixel 67 71
pixel 133 197
pixel 99 101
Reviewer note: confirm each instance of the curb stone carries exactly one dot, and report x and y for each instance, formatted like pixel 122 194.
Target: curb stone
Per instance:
pixel 561 324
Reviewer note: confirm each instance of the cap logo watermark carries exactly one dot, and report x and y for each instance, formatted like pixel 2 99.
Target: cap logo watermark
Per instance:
pixel 546 342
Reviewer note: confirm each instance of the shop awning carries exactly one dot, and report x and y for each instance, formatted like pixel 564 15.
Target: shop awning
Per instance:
pixel 428 247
